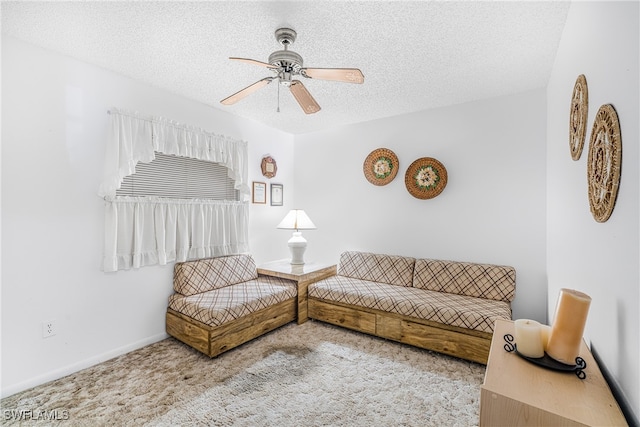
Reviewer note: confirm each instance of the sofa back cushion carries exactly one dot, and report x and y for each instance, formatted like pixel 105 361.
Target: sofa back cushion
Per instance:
pixel 202 275
pixel 495 282
pixel 391 269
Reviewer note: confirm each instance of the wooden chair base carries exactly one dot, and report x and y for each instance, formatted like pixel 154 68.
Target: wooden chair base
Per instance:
pixel 214 340
pixel 459 342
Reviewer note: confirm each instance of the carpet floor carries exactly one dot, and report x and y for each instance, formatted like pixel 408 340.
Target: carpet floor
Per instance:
pixel 312 374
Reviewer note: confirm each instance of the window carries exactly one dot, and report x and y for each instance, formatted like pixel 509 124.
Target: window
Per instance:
pixel 179 178
pixel 172 192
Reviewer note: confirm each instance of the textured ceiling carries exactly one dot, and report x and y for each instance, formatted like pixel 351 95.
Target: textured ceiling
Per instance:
pixel 414 55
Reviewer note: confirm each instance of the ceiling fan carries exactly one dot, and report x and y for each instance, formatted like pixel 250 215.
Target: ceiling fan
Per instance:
pixel 286 64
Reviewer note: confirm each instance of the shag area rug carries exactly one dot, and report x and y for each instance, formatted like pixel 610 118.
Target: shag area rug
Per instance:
pixel 312 374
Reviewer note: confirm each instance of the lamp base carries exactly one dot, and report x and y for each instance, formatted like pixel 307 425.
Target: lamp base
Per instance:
pixel 297 246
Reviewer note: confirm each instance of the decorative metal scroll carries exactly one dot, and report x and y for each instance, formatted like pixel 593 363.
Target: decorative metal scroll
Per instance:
pixel 547 361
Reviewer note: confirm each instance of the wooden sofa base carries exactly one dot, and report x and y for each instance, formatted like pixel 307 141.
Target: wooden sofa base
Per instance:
pixel 463 343
pixel 214 340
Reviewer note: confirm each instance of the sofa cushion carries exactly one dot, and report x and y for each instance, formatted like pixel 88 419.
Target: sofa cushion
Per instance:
pixel 391 269
pixel 219 306
pixel 202 275
pixel 495 282
pixel 456 310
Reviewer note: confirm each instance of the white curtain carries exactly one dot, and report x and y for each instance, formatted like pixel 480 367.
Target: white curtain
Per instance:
pixel 153 230
pixel 143 231
pixel 134 138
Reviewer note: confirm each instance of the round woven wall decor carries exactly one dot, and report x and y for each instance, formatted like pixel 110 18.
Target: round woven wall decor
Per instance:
pixel 578 117
pixel 381 166
pixel 425 178
pixel 604 163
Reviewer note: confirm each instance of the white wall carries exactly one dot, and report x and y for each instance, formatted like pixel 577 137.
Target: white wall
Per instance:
pixel 491 211
pixel 54 121
pixel 54 127
pixel 601 41
pixel 511 199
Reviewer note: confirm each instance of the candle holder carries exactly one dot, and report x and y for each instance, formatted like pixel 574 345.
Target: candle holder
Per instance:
pixel 547 361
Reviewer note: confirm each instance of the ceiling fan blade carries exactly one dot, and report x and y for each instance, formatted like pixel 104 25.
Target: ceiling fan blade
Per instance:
pixel 304 98
pixel 246 91
pixel 348 75
pixel 254 62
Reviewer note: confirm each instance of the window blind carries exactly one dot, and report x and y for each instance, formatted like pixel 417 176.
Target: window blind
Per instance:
pixel 179 178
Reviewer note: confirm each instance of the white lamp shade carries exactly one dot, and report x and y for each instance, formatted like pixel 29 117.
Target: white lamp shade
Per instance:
pixel 296 219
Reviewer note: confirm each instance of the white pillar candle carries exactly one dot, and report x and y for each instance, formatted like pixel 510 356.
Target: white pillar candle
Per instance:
pixel 568 326
pixel 528 338
pixel 545 331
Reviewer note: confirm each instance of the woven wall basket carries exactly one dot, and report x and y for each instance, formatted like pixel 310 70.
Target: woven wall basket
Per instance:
pixel 604 163
pixel 425 178
pixel 578 117
pixel 381 166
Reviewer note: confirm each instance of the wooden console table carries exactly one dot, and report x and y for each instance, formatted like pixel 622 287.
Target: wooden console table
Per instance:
pixel 303 275
pixel 519 393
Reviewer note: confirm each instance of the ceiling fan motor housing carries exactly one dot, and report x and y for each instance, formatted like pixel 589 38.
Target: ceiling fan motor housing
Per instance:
pixel 286 59
pixel 289 63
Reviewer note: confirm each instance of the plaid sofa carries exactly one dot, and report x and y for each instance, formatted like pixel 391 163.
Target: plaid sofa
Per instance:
pixel 216 292
pixel 465 298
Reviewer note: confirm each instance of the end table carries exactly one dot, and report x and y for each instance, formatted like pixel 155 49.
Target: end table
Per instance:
pixel 303 275
pixel 519 393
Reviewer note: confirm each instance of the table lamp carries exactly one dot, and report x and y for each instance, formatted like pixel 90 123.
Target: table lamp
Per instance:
pixel 297 220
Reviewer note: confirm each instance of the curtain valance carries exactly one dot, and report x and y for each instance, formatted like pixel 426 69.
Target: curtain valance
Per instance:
pixel 144 231
pixel 134 138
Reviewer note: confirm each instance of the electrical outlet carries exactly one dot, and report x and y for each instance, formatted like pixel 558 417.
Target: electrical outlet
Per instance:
pixel 48 328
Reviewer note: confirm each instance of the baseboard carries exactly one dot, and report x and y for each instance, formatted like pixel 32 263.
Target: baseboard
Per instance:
pixel 617 392
pixel 83 364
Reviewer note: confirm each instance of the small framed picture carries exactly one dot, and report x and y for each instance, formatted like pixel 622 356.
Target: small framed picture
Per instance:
pixel 276 194
pixel 259 192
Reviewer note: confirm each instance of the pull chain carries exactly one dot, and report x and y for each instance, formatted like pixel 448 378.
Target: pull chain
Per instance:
pixel 278 95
